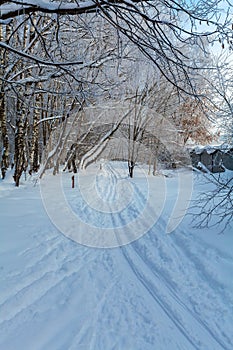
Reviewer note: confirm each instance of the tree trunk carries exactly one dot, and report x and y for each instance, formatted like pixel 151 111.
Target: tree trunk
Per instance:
pixel 3 117
pixel 131 166
pixel 20 148
pixel 34 156
pixel 5 140
pixel 155 166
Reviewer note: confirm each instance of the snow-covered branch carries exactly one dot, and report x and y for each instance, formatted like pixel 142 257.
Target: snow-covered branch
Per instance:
pixel 11 9
pixel 97 149
pixel 36 58
pixel 50 118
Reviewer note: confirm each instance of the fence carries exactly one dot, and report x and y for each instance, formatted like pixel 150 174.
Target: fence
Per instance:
pixel 215 159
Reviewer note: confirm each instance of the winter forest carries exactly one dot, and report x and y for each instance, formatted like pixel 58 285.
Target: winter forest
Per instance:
pixel 65 65
pixel 133 101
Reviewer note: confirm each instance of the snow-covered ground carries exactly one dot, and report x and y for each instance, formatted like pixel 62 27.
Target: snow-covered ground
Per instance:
pixel 160 292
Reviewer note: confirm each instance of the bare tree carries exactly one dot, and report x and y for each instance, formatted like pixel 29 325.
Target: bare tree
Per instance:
pixel 61 50
pixel 159 29
pixel 4 34
pixel 40 96
pixel 222 91
pixel 215 206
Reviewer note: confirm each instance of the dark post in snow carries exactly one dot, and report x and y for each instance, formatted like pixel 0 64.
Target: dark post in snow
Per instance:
pixel 72 181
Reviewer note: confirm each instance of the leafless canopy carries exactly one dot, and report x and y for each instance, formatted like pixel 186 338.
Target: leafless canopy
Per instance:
pixel 161 29
pixel 214 208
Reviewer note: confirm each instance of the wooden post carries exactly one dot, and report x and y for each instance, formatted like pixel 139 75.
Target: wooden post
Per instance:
pixel 72 181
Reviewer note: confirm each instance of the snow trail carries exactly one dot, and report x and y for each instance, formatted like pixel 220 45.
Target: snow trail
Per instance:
pixel 167 288
pixel 161 292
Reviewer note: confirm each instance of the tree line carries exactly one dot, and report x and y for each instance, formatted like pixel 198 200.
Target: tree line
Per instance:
pixel 68 66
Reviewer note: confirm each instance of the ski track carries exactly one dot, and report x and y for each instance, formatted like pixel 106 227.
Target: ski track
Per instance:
pixel 134 282
pixel 168 290
pixel 226 342
pixel 169 287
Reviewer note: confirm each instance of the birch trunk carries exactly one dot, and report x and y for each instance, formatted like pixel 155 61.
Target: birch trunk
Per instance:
pixel 3 117
pixel 34 154
pixel 20 146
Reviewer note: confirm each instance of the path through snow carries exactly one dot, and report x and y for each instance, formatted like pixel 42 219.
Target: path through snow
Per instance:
pixel 161 292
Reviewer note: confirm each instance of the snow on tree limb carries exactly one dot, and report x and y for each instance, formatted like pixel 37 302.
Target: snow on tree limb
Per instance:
pixel 97 149
pixel 13 9
pixel 161 20
pixel 37 59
